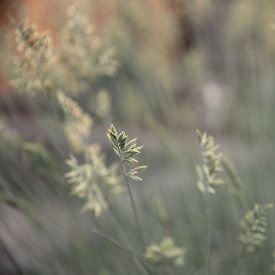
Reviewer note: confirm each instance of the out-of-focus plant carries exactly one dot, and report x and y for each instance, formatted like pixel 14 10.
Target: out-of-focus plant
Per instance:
pixel 38 157
pixel 93 180
pixel 34 60
pixel 79 60
pixel 103 106
pixel 165 254
pixel 56 75
pixel 209 172
pixel 70 71
pixel 254 227
pixel 159 210
pixel 10 138
pixel 77 124
pixel 236 183
pixel 79 42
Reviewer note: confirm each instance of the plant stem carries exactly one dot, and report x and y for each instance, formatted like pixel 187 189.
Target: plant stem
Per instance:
pixel 130 193
pixel 237 184
pixel 209 233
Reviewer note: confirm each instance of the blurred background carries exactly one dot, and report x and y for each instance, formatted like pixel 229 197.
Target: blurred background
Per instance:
pixel 181 65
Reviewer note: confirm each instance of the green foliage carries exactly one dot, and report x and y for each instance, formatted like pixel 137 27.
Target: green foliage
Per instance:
pixel 209 172
pixel 253 227
pixel 165 254
pixel 93 181
pixel 127 151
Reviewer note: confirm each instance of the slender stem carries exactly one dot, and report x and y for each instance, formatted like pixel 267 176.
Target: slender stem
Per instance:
pixel 235 180
pixel 209 233
pixel 133 203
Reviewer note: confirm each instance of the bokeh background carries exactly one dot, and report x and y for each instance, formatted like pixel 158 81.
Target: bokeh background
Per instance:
pixel 182 65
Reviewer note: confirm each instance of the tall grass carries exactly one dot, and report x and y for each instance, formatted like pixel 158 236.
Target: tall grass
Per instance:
pixel 73 204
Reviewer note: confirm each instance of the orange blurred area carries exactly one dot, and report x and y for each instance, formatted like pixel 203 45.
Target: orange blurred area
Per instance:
pixel 36 11
pixel 48 15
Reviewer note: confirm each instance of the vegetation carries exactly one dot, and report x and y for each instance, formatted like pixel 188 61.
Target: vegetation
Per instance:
pixel 74 204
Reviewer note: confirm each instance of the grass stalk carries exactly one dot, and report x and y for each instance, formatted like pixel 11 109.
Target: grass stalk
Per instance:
pixel 209 233
pixel 133 205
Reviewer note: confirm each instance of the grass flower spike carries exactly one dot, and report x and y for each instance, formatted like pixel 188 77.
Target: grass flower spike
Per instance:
pixel 77 124
pixel 93 181
pixel 127 151
pixel 209 172
pixel 82 50
pixel 253 228
pixel 33 61
pixel 165 254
